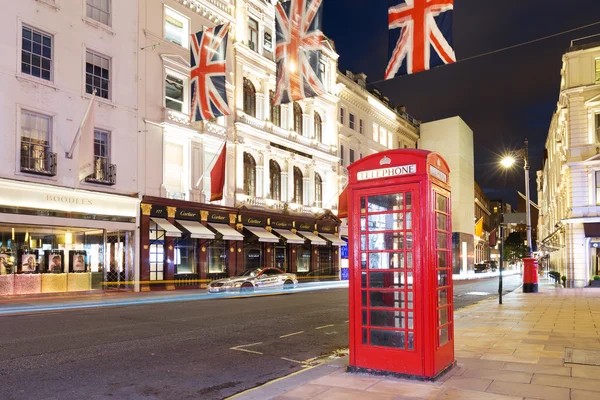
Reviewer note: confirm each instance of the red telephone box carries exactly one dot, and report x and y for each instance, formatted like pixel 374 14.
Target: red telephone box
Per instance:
pixel 400 256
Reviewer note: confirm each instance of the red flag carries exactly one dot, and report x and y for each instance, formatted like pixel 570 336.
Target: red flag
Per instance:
pixel 493 238
pixel 343 204
pixel 217 176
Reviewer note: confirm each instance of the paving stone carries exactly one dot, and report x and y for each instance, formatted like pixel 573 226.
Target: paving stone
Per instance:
pixel 567 381
pixel 468 383
pixel 502 375
pixel 529 390
pixel 533 368
pixel 337 393
pixel 577 394
pixel 459 394
pixel 509 358
pixel 348 381
pixel 585 371
pixel 307 391
pixel 406 388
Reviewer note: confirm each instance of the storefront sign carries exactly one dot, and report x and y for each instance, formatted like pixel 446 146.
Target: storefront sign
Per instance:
pixel 436 173
pixel 281 224
pixel 387 172
pixel 158 211
pixel 214 216
pixel 48 197
pixel 189 214
pixel 326 228
pixel 305 226
pixel 253 221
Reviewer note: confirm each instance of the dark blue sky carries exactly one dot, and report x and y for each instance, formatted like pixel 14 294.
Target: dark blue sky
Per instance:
pixel 503 97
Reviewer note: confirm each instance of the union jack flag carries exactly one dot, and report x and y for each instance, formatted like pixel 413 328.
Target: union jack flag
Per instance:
pixel 416 28
pixel 297 53
pixel 207 58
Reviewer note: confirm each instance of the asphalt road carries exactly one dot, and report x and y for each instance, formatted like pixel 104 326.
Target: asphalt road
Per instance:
pixel 473 291
pixel 207 349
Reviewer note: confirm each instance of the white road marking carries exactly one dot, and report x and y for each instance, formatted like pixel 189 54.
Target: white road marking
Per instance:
pixel 291 334
pixel 478 293
pixel 324 326
pixel 240 348
pixel 294 361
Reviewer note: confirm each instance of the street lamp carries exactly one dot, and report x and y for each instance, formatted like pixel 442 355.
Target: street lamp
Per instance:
pixel 507 162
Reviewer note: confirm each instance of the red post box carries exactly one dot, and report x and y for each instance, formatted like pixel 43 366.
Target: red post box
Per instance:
pixel 400 257
pixel 530 275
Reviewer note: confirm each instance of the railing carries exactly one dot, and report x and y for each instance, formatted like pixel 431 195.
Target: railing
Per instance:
pixel 104 173
pixel 37 159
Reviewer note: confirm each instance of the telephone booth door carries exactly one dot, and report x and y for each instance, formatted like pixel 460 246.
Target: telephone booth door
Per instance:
pixel 390 307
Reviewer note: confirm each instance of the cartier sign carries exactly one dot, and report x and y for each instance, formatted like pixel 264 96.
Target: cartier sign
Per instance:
pixel 218 217
pixel 183 213
pixel 281 224
pixel 327 228
pixel 303 226
pixel 253 221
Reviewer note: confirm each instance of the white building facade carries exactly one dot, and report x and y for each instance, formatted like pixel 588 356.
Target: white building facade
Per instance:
pixel 58 234
pixel 568 195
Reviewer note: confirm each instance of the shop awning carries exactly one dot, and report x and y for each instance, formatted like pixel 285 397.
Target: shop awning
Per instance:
pixel 336 241
pixel 263 234
pixel 314 239
pixel 197 230
pixel 289 236
pixel 228 232
pixel 169 228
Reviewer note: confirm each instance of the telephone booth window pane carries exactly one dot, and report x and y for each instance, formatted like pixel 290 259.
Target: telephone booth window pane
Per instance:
pixel 386 299
pixel 409 260
pixel 409 280
pixel 409 201
pixel 387 319
pixel 444 335
pixel 386 241
pixel 384 222
pixel 386 202
pixel 442 240
pixel 408 220
pixel 409 241
pixel 442 297
pixel 387 338
pixel 442 277
pixel 397 261
pixel 442 222
pixel 363 261
pixel 411 320
pixel 363 242
pixel 386 280
pixel 411 340
pixel 362 205
pixel 363 280
pixel 441 203
pixel 379 260
pixel 442 259
pixel 443 315
pixel 410 300
pixel 364 317
pixel 364 297
pixel 364 336
pixel 363 224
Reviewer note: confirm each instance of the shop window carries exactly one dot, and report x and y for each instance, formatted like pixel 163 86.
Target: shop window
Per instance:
pixel 318 128
pixel 36 53
pixel 351 121
pixel 318 190
pixel 280 257
pixel 217 257
pixel 298 189
pixel 249 98
pixel 325 263
pixel 176 27
pixel 297 118
pixel 175 92
pixel 36 137
pixel 303 258
pixel 275 178
pixel 253 256
pixel 157 252
pixel 99 10
pixel 97 74
pixel 252 34
pixel 249 175
pixel 185 255
pixel 275 109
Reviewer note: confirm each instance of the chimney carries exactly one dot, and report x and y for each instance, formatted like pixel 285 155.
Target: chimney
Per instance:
pixel 350 75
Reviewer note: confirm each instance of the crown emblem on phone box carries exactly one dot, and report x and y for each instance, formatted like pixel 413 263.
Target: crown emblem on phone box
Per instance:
pixel 385 161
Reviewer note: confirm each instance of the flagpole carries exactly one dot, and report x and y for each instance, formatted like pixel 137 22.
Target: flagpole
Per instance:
pixel 69 154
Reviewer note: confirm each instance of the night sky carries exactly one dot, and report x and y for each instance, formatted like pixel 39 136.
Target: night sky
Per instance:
pixel 503 97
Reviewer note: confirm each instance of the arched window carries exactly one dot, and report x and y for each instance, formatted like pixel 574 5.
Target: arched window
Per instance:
pixel 275 177
pixel 318 128
pixel 275 110
pixel 298 118
pixel 298 186
pixel 249 98
pixel 249 175
pixel 318 190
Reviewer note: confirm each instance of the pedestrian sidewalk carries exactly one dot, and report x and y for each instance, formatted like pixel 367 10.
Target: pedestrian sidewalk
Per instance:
pixel 472 275
pixel 504 352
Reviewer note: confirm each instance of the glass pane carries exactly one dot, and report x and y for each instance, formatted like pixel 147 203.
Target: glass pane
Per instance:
pixel 386 299
pixel 409 240
pixel 409 260
pixel 363 224
pixel 442 240
pixel 364 336
pixel 389 319
pixel 440 203
pixel 408 220
pixel 387 338
pixel 411 320
pixel 379 260
pixel 387 202
pixel 411 340
pixel 410 300
pixel 362 205
pixel 363 242
pixel 443 335
pixel 397 261
pixel 386 241
pixel 443 315
pixel 364 320
pixel 364 297
pixel 385 222
pixel 363 261
pixel 363 280
pixel 409 201
pixel 442 259
pixel 442 222
pixel 442 277
pixel 386 280
pixel 442 297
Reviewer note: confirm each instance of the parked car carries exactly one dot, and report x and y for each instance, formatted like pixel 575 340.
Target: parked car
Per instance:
pixel 482 267
pixel 492 264
pixel 254 279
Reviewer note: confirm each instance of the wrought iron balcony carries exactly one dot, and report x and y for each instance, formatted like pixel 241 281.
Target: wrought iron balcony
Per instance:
pixel 37 159
pixel 104 173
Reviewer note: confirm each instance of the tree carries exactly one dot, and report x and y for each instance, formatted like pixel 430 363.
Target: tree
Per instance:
pixel 514 248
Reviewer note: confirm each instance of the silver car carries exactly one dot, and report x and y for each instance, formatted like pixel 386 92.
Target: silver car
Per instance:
pixel 254 279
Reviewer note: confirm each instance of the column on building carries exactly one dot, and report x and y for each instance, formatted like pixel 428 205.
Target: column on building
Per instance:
pixel 266 182
pixel 197 165
pixel 260 175
pixel 306 188
pixel 239 166
pixel 290 181
pixel 261 111
pixel 285 181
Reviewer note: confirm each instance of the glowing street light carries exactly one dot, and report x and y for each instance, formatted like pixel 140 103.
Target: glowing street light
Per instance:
pixel 508 161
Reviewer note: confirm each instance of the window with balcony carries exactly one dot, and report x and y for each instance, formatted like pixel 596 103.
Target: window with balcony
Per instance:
pixel 275 109
pixel 249 175
pixel 321 72
pixel 275 179
pixel 36 53
pixel 36 134
pixel 176 27
pixel 252 34
pixel 97 74
pixel 318 128
pixel 268 42
pixel 104 171
pixel 382 136
pixel 342 114
pixel 249 98
pixel 175 87
pixel 99 10
pixel 297 118
pixel 174 170
pixel 318 190
pixel 298 186
pixel 351 121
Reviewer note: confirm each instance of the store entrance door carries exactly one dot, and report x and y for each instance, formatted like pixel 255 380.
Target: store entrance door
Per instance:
pixel 118 271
